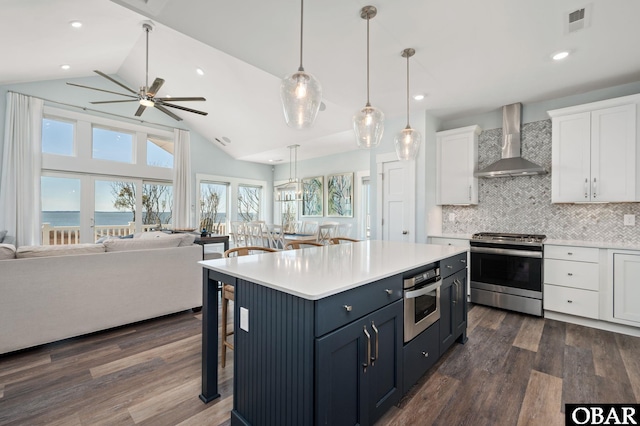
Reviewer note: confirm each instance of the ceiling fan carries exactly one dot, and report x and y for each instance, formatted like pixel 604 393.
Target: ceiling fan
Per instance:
pixel 146 95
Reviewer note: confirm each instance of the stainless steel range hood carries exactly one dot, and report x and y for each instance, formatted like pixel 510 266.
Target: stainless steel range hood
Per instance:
pixel 511 163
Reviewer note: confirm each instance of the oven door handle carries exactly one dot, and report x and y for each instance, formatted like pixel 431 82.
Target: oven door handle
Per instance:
pixel 422 291
pixel 518 253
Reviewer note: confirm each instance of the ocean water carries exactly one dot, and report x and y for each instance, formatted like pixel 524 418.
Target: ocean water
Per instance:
pixel 72 218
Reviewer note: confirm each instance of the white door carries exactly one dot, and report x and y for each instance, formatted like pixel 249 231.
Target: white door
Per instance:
pixel 396 195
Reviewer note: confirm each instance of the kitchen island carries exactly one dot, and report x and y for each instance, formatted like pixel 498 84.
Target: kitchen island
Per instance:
pixel 318 331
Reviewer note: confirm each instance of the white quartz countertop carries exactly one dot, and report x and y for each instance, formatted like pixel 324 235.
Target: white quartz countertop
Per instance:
pixel 317 272
pixel 593 244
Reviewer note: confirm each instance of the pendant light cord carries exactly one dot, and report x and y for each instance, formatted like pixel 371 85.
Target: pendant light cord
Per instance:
pixel 146 81
pixel 408 91
pixel 368 103
pixel 301 31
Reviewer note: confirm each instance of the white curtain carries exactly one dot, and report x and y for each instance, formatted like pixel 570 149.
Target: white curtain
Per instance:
pixel 21 166
pixel 182 199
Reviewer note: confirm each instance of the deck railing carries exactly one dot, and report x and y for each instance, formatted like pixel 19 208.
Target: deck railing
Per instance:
pixel 57 235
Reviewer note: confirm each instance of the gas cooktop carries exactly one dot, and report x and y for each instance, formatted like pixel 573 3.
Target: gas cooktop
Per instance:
pixel 497 237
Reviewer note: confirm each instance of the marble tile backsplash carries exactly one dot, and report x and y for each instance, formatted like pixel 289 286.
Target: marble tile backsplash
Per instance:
pixel 523 204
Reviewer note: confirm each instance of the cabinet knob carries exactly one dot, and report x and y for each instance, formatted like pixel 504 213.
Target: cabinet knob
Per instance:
pixel 463 260
pixel 405 232
pixel 388 291
pixel 449 266
pixel 425 354
pixel 570 253
pixel 348 308
pixel 569 301
pixel 570 274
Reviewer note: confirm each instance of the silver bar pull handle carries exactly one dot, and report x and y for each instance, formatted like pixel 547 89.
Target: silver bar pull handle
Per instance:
pixel 366 364
pixel 348 308
pixel 586 187
pixel 595 186
pixel 469 192
pixel 375 330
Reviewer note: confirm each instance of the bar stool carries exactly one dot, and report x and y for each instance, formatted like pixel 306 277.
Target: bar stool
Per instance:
pixel 228 293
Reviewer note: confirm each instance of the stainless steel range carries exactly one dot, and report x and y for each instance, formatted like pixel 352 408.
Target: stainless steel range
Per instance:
pixel 506 271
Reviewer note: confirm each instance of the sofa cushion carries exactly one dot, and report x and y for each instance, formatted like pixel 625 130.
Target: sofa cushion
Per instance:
pixel 186 239
pixel 7 251
pixel 140 244
pixel 59 250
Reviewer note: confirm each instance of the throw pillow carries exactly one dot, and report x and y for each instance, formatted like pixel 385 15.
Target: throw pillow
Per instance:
pixel 140 244
pixel 2 235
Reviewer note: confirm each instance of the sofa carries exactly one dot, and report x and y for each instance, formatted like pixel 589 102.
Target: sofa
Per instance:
pixel 49 293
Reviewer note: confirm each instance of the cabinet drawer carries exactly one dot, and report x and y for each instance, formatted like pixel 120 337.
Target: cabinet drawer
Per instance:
pixel 419 355
pixel 571 301
pixel 453 264
pixel 581 254
pixel 581 275
pixel 335 311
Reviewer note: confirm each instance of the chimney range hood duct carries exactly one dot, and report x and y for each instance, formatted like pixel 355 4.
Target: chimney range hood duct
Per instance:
pixel 511 163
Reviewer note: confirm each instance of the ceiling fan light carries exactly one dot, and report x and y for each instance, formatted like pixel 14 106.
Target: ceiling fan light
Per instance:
pixel 368 125
pixel 301 96
pixel 147 102
pixel 407 143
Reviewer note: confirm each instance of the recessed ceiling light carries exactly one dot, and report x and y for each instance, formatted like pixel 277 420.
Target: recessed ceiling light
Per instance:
pixel 418 97
pixel 65 66
pixel 558 56
pixel 75 24
pixel 199 71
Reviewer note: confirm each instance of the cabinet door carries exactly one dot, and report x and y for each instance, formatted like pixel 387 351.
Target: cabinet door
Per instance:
pixel 385 387
pixel 457 159
pixel 446 320
pixel 613 154
pixel 626 288
pixel 571 158
pixel 355 384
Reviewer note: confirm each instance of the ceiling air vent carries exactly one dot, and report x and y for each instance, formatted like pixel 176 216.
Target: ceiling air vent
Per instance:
pixel 578 19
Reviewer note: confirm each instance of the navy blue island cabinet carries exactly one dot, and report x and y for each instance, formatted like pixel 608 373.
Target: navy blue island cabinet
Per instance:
pixel 333 361
pixel 318 332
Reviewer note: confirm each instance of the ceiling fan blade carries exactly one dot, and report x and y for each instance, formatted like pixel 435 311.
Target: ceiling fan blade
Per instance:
pixel 100 73
pixel 166 111
pixel 182 108
pixel 113 102
pixel 102 90
pixel 157 84
pixel 140 110
pixel 181 99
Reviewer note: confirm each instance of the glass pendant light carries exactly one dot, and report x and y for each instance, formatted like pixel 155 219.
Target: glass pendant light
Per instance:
pixel 408 141
pixel 300 92
pixel 368 123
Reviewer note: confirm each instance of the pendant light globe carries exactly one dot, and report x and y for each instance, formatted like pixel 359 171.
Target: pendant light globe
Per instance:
pixel 300 92
pixel 301 96
pixel 408 140
pixel 368 123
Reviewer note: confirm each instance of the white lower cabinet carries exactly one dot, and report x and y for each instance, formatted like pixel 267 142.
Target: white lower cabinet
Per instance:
pixel 572 280
pixel 626 287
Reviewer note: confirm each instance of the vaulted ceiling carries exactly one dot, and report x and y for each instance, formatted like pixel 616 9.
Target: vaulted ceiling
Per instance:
pixel 471 57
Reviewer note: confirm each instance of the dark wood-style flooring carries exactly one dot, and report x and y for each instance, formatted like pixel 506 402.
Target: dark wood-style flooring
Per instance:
pixel 514 370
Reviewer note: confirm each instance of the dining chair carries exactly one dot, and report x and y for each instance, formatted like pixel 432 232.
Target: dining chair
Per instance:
pixel 255 233
pixel 343 240
pixel 309 227
pixel 236 230
pixel 275 234
pixel 326 231
pixel 228 294
pixel 295 245
pixel 344 230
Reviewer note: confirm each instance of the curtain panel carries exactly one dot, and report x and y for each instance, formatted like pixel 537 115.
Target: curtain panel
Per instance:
pixel 182 198
pixel 21 166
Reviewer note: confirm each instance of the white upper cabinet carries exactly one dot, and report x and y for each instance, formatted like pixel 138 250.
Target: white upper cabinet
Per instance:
pixel 594 155
pixel 457 160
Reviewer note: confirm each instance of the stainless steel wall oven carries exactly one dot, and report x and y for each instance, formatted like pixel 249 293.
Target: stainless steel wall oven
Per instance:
pixel 421 300
pixel 506 271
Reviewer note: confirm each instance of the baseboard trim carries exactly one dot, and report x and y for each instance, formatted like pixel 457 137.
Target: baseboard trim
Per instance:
pixel 588 322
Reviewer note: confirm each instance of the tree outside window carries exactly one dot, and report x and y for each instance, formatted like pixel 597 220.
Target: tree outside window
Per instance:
pixel 213 205
pixel 249 200
pixel 157 201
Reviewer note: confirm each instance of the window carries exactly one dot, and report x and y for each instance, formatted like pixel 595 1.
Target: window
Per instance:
pixel 213 205
pixel 157 204
pixel 159 152
pixel 112 145
pixel 57 137
pixel 60 198
pixel 249 201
